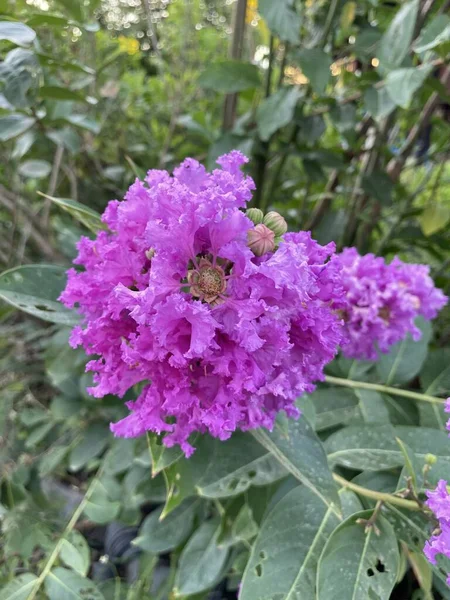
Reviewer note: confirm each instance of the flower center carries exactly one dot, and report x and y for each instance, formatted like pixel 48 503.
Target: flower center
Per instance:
pixel 207 281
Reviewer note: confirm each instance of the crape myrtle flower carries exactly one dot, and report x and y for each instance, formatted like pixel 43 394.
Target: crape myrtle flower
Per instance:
pixel 439 543
pixel 383 301
pixel 174 299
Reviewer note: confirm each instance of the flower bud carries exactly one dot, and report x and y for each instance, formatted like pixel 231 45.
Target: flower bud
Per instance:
pixel 261 240
pixel 276 223
pixel 255 215
pixel 430 459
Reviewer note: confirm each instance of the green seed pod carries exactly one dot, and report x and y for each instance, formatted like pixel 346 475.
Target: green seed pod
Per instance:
pixel 276 223
pixel 255 215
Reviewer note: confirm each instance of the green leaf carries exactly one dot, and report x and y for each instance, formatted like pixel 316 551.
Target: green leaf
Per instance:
pixel 412 466
pixel 65 137
pixel 378 102
pixel 434 218
pixel 23 144
pixel 276 111
pixel 301 452
pixel 230 76
pixel 406 358
pixel 17 33
pixel 372 406
pixel 38 434
pixel 374 447
pixel 291 540
pixel 395 43
pixel 402 84
pixel 18 74
pixel 94 440
pixel 355 564
pixel 221 469
pixel 161 456
pixel 64 584
pixel 333 406
pixel 423 572
pixel 84 122
pixel 435 33
pixel 54 92
pixel 201 562
pixel 244 526
pixel 435 381
pixel 100 508
pixel 380 186
pixel 86 215
pixel 282 19
pixel 120 456
pixel 46 19
pixel 13 125
pixel 18 588
pixel 159 536
pixel 35 169
pixel 52 459
pixel 315 64
pixel 35 290
pixel 75 553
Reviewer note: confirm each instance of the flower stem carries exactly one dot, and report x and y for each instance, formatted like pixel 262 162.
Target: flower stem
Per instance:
pixel 376 387
pixel 56 550
pixel 379 496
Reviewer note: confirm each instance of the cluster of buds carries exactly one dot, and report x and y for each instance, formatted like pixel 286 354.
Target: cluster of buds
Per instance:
pixel 268 231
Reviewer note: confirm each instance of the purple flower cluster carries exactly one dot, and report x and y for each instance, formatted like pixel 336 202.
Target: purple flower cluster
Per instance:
pixel 383 301
pixel 174 299
pixel 439 502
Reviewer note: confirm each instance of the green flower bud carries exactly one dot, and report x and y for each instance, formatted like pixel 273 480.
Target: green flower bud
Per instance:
pixel 276 223
pixel 256 215
pixel 430 459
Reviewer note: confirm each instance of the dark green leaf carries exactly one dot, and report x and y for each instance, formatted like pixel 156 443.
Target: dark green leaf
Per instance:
pixel 395 43
pixel 435 33
pixel 19 588
pixel 54 92
pixel 52 459
pixel 374 447
pixel 63 584
pixel 46 19
pixel 333 407
pixel 372 407
pixel 81 212
pixel 35 169
pixel 201 561
pixel 295 445
pixel 38 434
pixel 94 441
pixel 290 541
pixel 379 185
pixel 159 536
pixel 18 74
pixel 35 290
pixel 281 18
pixel 315 64
pixel 378 102
pixel 221 469
pixel 23 144
pixel 17 33
pixel 75 553
pixel 276 111
pixel 13 125
pixel 355 564
pixel 402 84
pixel 230 76
pixel 100 508
pixel 406 358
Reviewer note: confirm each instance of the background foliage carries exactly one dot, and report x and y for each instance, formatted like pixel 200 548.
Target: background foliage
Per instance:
pixel 343 108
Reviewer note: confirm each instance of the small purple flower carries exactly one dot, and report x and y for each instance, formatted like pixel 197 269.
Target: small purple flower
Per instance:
pixel 173 298
pixel 383 301
pixel 439 502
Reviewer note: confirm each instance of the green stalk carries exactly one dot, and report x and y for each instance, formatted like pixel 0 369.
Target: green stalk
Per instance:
pixel 379 496
pixel 384 389
pixel 57 549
